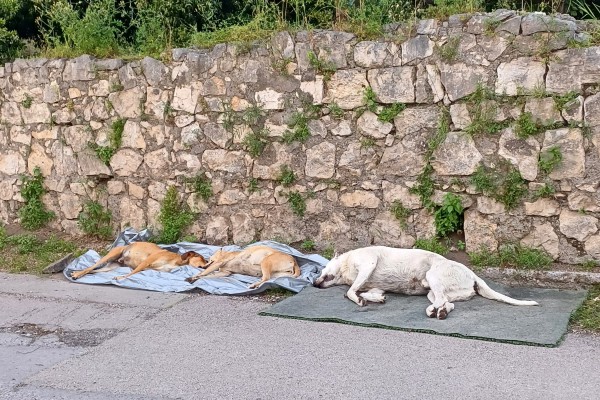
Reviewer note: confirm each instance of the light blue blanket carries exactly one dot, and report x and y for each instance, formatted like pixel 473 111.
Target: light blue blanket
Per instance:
pixel 310 265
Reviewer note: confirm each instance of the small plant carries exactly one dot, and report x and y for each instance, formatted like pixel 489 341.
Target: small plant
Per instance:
pixel 325 68
pixel 252 114
pixel 550 159
pixel 299 126
pixel 588 315
pixel 281 65
pixel 336 111
pixel 449 51
pixel 27 101
pixel 589 265
pixel 545 191
pixel 526 126
pixel 449 216
pixel 168 109
pixel 116 86
pixel 229 117
pixel 512 256
pixel 297 203
pixel 174 217
pixel 253 185
pixel 390 112
pixel 201 185
pixel 256 142
pixel 400 212
pixel 286 176
pixel 483 109
pixel 308 245
pixel 433 245
pixel 329 252
pixel 490 24
pixel 560 101
pixel 370 99
pixel 115 139
pixel 34 214
pixel 503 184
pixel 367 143
pixel 104 153
pixel 95 220
pixel 460 245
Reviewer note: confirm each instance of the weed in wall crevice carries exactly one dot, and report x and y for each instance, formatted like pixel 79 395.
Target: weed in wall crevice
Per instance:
pixel 286 176
pixel 388 113
pixel 34 215
pixel 545 191
pixel 504 184
pixel 325 68
pixel 449 51
pixel 400 212
pixel 255 142
pixel 95 220
pixel 549 160
pixel 483 108
pixel 115 139
pixel 297 203
pixel 201 185
pixel 174 217
pixel 449 215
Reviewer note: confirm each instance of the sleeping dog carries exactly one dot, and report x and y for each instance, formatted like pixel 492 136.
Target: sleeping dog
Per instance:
pixel 141 256
pixel 260 261
pixel 378 269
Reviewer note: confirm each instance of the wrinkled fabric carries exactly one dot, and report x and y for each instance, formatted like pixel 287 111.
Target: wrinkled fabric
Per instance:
pixel 174 281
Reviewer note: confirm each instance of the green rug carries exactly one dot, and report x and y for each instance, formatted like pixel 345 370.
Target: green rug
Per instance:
pixel 478 318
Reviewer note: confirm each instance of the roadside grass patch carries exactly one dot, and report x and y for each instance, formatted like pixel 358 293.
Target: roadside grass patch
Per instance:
pixel 512 256
pixel 432 244
pixel 28 253
pixel 588 315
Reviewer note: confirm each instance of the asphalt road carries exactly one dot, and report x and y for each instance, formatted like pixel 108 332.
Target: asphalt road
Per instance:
pixel 61 340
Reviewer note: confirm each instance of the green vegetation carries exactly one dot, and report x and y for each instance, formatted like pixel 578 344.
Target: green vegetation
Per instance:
pixel 336 111
pixel 325 68
pixel 29 253
pixel 201 185
pixel 589 265
pixel 252 114
pixel 33 214
pixel 390 112
pixel 328 252
pixel 550 159
pixel 286 176
pixel 253 185
pixel 588 315
pixel 512 256
pixel 95 220
pixel 433 245
pixel 367 142
pixel 449 51
pixel 526 126
pixel 400 212
pixel 449 216
pixel 370 99
pixel 503 184
pixel 308 245
pixel 297 203
pixel 174 217
pixel 490 24
pixel 545 191
pixel 560 101
pixel 115 139
pixel 134 28
pixel 483 109
pixel 255 142
pixel 299 124
pixel 27 101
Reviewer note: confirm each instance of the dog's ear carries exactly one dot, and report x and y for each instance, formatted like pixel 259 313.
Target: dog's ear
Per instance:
pixel 189 254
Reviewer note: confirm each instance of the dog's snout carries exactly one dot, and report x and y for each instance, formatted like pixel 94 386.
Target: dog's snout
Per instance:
pixel 319 282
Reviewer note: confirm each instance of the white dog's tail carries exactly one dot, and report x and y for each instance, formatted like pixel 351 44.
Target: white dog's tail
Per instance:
pixel 484 290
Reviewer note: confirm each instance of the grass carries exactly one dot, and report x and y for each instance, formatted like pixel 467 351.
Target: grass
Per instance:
pixel 370 99
pixel 526 126
pixel 325 68
pixel 201 185
pixel 588 315
pixel 433 245
pixel 545 191
pixel 512 256
pixel 308 245
pixel 297 203
pixel 286 176
pixel 483 109
pixel 503 183
pixel 95 220
pixel 400 212
pixel 449 51
pixel 336 111
pixel 390 112
pixel 255 142
pixel 29 253
pixel 27 101
pixel 328 252
pixel 550 159
pixel 298 131
pixel 34 214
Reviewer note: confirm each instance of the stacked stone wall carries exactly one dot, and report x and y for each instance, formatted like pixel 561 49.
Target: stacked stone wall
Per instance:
pixel 190 115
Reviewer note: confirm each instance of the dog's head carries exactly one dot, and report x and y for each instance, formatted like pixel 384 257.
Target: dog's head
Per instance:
pixel 194 259
pixel 330 275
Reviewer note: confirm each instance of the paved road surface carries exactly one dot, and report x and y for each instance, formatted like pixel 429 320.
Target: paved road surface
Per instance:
pixel 60 340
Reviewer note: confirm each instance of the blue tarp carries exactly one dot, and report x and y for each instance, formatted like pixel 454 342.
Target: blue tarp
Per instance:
pixel 310 265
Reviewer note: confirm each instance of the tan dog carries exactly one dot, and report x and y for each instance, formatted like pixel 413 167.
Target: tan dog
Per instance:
pixel 141 256
pixel 259 261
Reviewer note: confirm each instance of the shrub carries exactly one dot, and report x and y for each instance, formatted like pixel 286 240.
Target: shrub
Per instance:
pixel 34 214
pixel 95 220
pixel 449 216
pixel 174 217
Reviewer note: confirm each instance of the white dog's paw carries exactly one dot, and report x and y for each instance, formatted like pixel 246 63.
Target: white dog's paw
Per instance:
pixel 442 313
pixel 431 311
pixel 361 302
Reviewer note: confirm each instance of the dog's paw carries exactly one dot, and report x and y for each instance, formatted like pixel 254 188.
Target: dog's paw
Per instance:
pixel 442 313
pixel 119 278
pixel 362 302
pixel 191 280
pixel 431 312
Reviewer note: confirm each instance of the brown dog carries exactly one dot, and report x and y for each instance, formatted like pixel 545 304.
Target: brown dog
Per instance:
pixel 141 256
pixel 259 261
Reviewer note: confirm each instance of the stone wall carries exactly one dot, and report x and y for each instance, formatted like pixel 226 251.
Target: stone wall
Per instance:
pixel 186 117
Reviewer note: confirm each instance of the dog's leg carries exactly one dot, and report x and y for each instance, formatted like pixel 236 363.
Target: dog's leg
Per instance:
pixel 145 264
pixel 209 268
pixel 112 256
pixel 431 311
pixel 441 304
pixel 266 267
pixel 375 295
pixel 364 273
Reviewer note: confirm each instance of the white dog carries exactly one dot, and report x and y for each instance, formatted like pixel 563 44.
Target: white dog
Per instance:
pixel 378 269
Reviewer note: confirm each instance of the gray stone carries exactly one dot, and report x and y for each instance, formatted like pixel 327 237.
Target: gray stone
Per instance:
pixel 346 88
pixel 270 99
pixel 417 48
pixel 542 207
pixel 154 70
pixel 394 84
pixel 314 88
pixel 158 162
pixel 342 129
pixel 543 237
pixel 77 136
pixel 579 201
pixel 283 46
pixel 38 158
pixel 487 205
pixel 231 196
pixel 37 113
pixel 459 113
pixel 511 25
pixel 543 110
pixel 572 68
pixel 70 205
pixel 191 134
pixel 79 69
pixel 427 26
pixel 226 161
pixel 573 110
pixel 11 163
pixel 521 73
pixel 480 232
pixel 386 231
pixel 460 79
pixel 10 113
pixel 125 162
pixel 360 198
pixel 331 47
pixel 592 246
pixel 218 134
pixel 413 121
pixel 570 143
pixel 457 155
pixel 90 165
pixel 320 161
pixel 242 228
pixel 370 54
pixel 108 64
pixel 369 125
pixel 393 192
pixel 537 22
pixel 523 153
pixel 128 103
pixel 592 117
pixel 576 225
pixel 185 98
pixel 127 76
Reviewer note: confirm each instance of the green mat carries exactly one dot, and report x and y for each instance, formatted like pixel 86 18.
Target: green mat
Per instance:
pixel 478 318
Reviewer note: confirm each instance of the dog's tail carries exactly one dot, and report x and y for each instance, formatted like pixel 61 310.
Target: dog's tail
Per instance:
pixel 482 289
